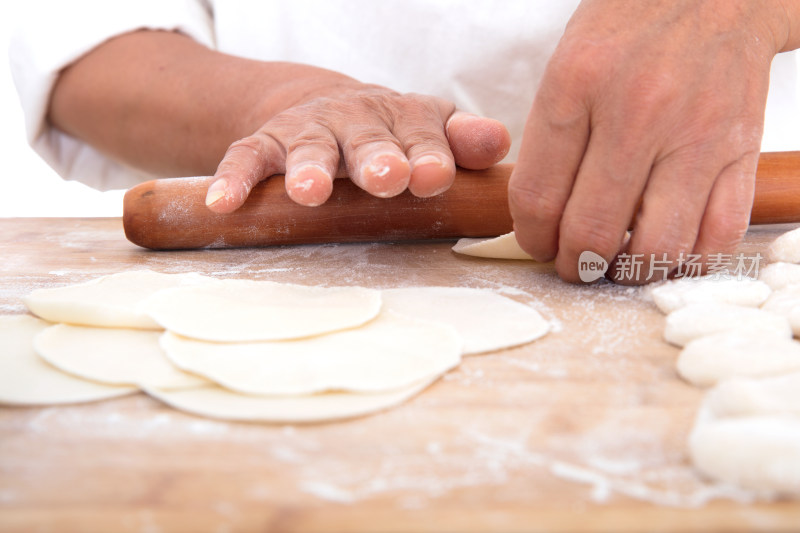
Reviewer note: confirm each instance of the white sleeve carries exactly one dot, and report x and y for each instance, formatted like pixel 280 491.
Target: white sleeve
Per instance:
pixel 51 35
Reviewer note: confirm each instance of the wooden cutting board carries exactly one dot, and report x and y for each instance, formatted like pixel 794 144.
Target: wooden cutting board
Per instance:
pixel 584 430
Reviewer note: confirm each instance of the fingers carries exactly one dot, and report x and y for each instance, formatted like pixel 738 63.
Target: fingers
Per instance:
pixel 247 162
pixel 385 142
pixel 311 164
pixel 468 140
pixel 406 148
pixel 666 227
pixel 715 199
pixel 477 142
pixel 727 213
pixel 553 145
pixel 602 202
pixel 421 132
pixel 375 162
pixel 420 147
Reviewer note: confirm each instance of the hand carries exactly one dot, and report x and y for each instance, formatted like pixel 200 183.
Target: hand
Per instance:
pixel 384 141
pixel 658 102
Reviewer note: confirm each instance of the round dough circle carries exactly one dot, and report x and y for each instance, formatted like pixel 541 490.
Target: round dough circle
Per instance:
pixel 113 356
pixel 241 310
pixel 216 402
pixel 108 301
pixel 390 352
pixel 485 320
pixel 25 379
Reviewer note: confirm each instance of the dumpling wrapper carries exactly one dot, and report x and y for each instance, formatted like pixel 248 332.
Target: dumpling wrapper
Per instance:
pixel 390 352
pixel 486 321
pixel 25 379
pixel 241 310
pixel 217 402
pixel 108 301
pixel 112 355
pixel 502 247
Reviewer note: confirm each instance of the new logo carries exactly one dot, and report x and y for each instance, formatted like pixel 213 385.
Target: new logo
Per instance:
pixel 591 266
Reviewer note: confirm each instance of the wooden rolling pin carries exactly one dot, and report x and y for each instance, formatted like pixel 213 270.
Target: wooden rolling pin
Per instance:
pixel 171 213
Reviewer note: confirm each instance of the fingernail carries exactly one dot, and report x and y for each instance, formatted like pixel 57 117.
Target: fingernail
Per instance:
pixel 379 168
pixel 310 184
pixel 428 159
pixel 216 192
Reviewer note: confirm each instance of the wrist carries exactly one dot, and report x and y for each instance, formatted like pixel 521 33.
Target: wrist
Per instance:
pixel 788 25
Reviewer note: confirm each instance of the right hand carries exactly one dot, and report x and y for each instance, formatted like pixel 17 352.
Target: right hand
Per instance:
pixel 384 141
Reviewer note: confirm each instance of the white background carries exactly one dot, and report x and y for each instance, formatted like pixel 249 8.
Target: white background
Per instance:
pixel 28 186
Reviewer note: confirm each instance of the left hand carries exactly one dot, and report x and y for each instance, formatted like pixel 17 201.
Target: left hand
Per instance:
pixel 386 142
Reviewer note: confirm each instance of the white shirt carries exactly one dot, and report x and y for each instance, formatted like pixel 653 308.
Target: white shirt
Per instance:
pixel 485 56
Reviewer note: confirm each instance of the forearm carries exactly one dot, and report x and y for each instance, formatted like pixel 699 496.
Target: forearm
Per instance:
pixel 164 103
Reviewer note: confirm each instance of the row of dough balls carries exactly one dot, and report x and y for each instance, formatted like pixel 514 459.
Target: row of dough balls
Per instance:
pixel 737 339
pixel 248 350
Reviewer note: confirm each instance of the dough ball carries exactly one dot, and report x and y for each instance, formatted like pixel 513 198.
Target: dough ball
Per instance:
pixel 760 453
pixel 674 294
pixel 391 352
pixel 216 402
pixel 25 379
pixel 485 320
pixel 108 301
pixel 241 310
pixel 785 248
pixel 783 302
pixel 779 275
pixel 113 356
pixel 701 319
pixel 502 247
pixel 779 394
pixel 709 359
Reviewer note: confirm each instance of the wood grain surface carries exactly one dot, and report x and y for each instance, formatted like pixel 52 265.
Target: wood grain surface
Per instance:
pixel 584 430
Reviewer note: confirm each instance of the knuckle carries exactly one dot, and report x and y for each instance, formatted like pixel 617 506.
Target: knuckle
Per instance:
pixel 651 92
pixel 425 139
pixel 578 61
pixel 365 137
pixel 252 144
pixel 312 139
pixel 672 242
pixel 725 231
pixel 584 231
pixel 429 107
pixel 530 204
